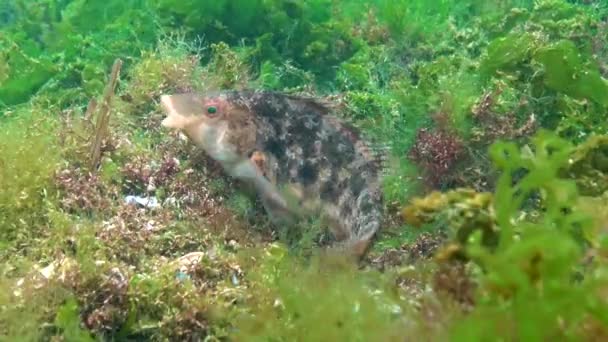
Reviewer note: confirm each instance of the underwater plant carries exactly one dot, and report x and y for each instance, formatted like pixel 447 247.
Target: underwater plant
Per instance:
pixel 492 115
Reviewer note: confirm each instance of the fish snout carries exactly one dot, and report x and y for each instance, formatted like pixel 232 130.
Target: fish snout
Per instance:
pixel 167 105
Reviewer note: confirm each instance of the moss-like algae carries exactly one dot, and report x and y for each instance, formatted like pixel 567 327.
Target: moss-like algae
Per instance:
pixel 524 256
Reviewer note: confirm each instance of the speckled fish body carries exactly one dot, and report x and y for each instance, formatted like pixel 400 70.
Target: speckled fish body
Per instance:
pixel 297 154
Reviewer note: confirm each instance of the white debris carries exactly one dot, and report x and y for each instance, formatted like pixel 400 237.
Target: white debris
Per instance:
pixel 149 202
pixel 48 271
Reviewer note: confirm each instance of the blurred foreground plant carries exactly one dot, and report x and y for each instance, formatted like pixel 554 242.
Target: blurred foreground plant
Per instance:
pixel 530 245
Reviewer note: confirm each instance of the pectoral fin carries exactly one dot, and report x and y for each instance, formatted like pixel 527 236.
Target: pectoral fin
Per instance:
pixel 275 204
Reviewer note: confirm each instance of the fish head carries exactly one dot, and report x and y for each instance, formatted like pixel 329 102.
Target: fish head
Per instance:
pixel 211 121
pixel 191 109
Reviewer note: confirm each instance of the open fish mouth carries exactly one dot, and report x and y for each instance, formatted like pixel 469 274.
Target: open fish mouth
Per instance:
pixel 175 107
pixel 167 105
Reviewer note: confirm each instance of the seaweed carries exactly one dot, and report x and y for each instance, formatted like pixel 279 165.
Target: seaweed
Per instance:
pixel 567 72
pixel 491 116
pixel 529 247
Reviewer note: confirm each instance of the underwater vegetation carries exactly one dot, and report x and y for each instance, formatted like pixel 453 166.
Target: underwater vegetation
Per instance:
pixel 496 185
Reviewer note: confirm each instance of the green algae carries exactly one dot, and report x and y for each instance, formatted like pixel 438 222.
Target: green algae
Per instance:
pixel 207 265
pixel 526 259
pixel 566 71
pixel 28 159
pixel 507 52
pixel 589 166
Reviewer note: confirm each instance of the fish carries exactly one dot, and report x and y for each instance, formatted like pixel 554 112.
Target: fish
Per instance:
pixel 295 151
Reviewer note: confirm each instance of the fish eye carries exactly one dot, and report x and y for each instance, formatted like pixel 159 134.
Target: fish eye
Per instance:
pixel 211 109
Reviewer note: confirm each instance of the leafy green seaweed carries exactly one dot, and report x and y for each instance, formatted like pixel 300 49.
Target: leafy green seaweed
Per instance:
pixel 567 72
pixel 512 239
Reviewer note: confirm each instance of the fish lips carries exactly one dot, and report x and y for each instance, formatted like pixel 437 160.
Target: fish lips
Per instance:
pixel 173 117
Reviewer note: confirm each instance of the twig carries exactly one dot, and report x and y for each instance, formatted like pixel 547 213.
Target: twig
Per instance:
pixel 88 116
pixel 91 108
pixel 103 118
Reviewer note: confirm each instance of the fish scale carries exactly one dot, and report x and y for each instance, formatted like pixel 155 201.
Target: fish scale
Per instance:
pixel 301 148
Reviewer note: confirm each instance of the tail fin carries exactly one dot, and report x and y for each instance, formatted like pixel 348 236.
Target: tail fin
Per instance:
pixel 369 218
pixel 381 155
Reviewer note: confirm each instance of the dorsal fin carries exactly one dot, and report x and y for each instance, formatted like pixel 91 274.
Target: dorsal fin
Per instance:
pixel 324 105
pixel 376 153
pixel 379 154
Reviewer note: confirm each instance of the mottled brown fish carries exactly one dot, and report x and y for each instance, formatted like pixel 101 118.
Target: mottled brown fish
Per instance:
pixel 298 156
